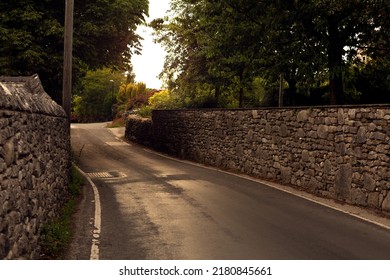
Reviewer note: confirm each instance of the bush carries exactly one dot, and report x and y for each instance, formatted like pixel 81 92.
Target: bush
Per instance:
pixel 56 234
pixel 145 112
pixel 164 100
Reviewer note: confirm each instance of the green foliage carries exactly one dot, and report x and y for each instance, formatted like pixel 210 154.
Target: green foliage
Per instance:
pixel 56 235
pixel 145 111
pixel 164 100
pixel 260 93
pixel 217 50
pixel 31 37
pixel 97 96
pixel 132 96
pixel 77 180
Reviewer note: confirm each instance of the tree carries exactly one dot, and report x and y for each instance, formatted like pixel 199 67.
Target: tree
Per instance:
pixel 31 40
pixel 96 100
pixel 222 45
pixel 132 95
pixel 196 53
pixel 236 25
pixel 31 37
pixel 163 100
pixel 184 65
pixel 335 30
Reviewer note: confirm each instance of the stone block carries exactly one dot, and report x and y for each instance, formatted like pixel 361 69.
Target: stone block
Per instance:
pixel 283 130
pixel 379 136
pixel 352 113
pixel 341 148
pixel 9 152
pixel 386 202
pixel 361 136
pixel 323 131
pixel 343 181
pixel 373 200
pixel 313 185
pixel 285 174
pixel 301 133
pixel 330 120
pixel 371 127
pixel 312 134
pixel 358 197
pixel 340 116
pixel 303 116
pixel 379 114
pixel 368 182
pixel 305 156
pixel 250 136
pixel 268 128
pixel 327 167
pixel 255 114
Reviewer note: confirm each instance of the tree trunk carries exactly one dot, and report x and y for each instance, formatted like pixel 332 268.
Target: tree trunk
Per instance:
pixel 292 91
pixel 217 93
pixel 335 64
pixel 241 97
pixel 336 89
pixel 241 93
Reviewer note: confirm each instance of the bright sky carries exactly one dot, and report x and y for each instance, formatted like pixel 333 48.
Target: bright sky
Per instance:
pixel 150 64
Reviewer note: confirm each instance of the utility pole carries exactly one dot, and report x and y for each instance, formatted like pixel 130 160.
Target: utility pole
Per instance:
pixel 281 90
pixel 67 71
pixel 112 99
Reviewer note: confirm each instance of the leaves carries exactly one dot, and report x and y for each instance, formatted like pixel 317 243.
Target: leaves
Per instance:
pixel 229 44
pixel 98 95
pixel 31 37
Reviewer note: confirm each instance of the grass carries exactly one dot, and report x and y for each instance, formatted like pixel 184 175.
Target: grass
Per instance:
pixel 143 112
pixel 119 122
pixel 56 234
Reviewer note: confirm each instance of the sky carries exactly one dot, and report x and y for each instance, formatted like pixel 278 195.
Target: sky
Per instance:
pixel 150 64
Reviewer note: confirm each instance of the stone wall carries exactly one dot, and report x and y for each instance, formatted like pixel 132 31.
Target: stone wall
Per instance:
pixel 341 153
pixel 139 130
pixel 34 164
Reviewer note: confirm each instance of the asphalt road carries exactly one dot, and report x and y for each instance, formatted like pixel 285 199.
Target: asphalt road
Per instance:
pixel 155 207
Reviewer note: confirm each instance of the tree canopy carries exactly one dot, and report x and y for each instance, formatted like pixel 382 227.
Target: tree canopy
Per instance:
pixel 327 50
pixel 31 37
pixel 97 96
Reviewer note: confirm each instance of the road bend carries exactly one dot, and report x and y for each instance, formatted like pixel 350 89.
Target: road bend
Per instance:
pixel 155 207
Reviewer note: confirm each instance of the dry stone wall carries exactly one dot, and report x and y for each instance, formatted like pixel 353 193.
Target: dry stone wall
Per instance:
pixel 139 130
pixel 341 153
pixel 34 164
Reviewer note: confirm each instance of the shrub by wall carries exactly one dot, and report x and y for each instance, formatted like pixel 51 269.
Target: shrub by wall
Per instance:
pixel 34 164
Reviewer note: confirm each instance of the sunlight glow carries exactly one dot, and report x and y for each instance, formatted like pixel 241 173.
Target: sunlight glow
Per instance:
pixel 149 65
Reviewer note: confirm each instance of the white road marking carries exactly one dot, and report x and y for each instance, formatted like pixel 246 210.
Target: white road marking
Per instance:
pixel 114 144
pixel 97 223
pixel 99 175
pixel 355 211
pixel 107 175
